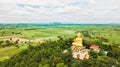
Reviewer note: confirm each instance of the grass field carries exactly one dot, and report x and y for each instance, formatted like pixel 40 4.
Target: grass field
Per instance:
pixel 7 52
pixel 40 33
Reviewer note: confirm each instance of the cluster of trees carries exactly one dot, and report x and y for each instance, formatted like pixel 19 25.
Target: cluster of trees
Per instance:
pixel 115 53
pixel 6 43
pixel 51 54
pixel 106 47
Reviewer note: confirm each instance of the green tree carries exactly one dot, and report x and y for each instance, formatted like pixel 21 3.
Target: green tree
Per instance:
pixel 61 65
pixel 34 64
pixel 93 54
pixel 115 52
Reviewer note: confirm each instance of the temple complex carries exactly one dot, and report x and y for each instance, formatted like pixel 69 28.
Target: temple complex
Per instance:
pixel 78 50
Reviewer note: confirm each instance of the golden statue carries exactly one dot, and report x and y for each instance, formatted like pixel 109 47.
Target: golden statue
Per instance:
pixel 78 40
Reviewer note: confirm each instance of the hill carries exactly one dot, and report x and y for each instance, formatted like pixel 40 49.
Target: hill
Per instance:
pixel 51 54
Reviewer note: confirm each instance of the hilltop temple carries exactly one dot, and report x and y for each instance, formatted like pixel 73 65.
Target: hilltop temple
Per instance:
pixel 78 50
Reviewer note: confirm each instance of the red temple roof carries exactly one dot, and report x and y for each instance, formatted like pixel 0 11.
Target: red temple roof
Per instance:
pixel 94 47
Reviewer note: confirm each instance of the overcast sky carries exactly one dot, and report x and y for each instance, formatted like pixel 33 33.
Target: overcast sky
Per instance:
pixel 66 11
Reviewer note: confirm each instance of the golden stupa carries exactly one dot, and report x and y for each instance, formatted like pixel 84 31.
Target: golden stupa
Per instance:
pixel 78 50
pixel 78 42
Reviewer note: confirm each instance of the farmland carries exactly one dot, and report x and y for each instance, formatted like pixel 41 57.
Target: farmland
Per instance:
pixel 37 33
pixel 32 32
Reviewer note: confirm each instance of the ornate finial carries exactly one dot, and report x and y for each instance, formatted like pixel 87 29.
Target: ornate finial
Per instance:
pixel 79 35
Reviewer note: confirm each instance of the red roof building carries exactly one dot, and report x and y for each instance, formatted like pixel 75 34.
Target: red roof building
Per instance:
pixel 95 47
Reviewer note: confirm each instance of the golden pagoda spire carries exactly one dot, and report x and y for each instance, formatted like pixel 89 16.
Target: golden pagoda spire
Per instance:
pixel 79 35
pixel 78 40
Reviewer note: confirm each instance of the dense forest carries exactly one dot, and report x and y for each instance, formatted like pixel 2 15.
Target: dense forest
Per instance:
pixel 51 54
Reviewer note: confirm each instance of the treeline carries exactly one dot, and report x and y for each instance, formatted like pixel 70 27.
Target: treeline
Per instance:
pixel 51 54
pixel 6 43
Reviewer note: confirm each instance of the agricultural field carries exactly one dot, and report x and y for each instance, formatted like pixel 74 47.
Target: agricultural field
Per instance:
pixel 32 32
pixel 6 52
pixel 108 34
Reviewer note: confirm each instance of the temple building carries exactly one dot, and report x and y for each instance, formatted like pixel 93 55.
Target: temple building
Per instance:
pixel 78 50
pixel 95 48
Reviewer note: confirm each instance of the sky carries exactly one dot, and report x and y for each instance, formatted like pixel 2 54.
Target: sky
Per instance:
pixel 65 11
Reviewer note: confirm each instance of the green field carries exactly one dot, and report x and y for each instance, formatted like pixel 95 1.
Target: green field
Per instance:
pixel 111 33
pixel 7 52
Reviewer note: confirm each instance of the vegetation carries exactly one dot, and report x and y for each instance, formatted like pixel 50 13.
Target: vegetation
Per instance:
pixel 7 52
pixel 50 54
pixel 55 39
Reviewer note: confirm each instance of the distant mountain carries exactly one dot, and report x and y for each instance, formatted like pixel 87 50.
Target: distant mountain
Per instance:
pixel 56 23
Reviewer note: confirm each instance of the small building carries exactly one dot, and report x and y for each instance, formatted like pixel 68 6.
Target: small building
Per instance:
pixel 95 48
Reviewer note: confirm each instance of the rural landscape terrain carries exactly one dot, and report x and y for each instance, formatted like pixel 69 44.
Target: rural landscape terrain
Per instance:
pixel 48 45
pixel 59 33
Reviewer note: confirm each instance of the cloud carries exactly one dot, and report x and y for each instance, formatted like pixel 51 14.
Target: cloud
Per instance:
pixel 43 11
pixel 28 5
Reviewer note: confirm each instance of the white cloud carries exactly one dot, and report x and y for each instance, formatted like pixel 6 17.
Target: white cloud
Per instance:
pixel 63 10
